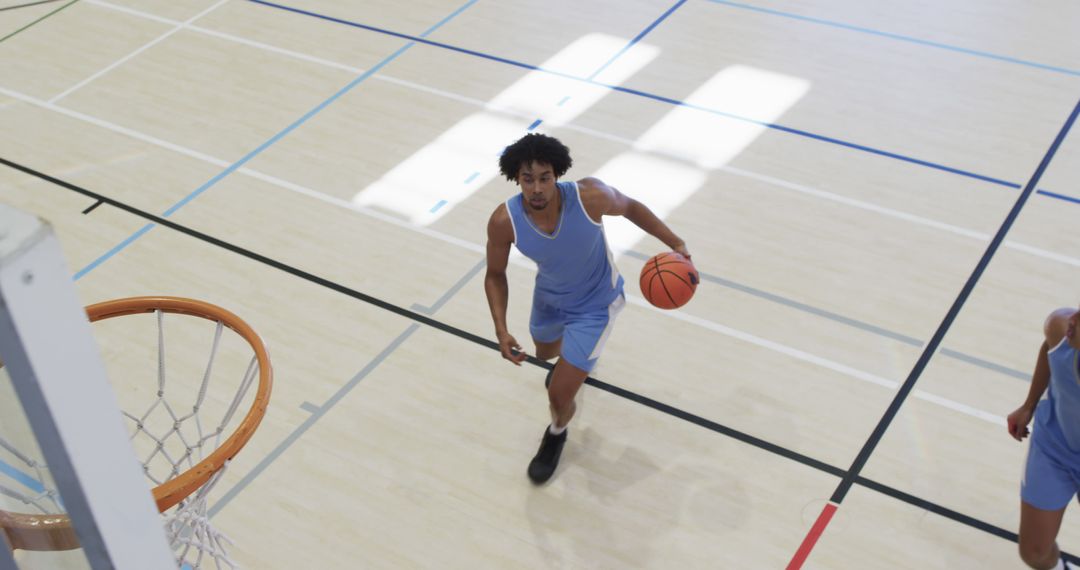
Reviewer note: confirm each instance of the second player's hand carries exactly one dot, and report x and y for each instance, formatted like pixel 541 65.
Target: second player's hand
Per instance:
pixel 1018 422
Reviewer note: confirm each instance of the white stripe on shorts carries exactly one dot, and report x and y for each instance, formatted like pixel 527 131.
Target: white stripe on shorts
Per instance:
pixel 613 311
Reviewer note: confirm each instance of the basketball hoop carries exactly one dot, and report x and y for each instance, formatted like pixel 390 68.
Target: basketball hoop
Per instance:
pixel 181 491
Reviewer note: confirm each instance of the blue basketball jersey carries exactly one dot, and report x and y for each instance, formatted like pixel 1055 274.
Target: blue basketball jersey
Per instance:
pixel 576 269
pixel 1062 405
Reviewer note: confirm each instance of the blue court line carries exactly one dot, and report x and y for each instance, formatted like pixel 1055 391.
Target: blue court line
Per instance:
pixel 1058 196
pixel 562 101
pixel 24 479
pixel 909 39
pixel 236 165
pixel 535 124
pixel 115 250
pixel 638 38
pixel 472 177
pixel 438 205
pixel 675 102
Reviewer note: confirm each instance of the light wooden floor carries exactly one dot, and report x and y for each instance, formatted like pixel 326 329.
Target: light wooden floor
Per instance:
pixel 837 169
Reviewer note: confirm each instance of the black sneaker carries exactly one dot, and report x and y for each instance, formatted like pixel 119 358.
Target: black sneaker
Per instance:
pixel 547 379
pixel 542 467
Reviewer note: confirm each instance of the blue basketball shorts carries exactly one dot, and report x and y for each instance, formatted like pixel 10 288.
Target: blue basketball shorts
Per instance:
pixel 583 333
pixel 1052 471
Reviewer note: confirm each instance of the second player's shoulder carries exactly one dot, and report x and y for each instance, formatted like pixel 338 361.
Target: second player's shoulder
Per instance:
pixel 1056 324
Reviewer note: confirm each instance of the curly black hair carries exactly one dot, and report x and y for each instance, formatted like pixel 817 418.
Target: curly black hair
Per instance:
pixel 535 147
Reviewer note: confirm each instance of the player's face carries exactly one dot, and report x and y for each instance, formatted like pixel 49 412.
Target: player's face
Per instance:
pixel 537 181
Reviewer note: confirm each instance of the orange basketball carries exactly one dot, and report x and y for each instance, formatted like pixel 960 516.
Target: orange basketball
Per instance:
pixel 668 280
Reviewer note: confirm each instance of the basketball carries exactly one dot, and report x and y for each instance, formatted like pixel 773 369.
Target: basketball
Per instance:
pixel 668 280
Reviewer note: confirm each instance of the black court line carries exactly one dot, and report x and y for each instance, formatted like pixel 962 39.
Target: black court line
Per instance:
pixel 949 513
pixel 92 207
pixel 671 101
pixel 939 335
pixel 36 22
pixel 16 7
pixel 610 388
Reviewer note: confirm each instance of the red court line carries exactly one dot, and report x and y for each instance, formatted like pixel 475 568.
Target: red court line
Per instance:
pixel 811 537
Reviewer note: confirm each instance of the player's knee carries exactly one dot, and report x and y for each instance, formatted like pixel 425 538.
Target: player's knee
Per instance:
pixel 1036 553
pixel 560 400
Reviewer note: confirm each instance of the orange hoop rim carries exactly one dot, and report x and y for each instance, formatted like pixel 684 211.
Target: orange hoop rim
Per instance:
pixel 25 530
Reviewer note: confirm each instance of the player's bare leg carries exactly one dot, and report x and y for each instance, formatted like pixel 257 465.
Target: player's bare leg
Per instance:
pixel 1038 532
pixel 566 380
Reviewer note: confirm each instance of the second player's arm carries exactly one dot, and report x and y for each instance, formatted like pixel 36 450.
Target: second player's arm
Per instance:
pixel 1018 420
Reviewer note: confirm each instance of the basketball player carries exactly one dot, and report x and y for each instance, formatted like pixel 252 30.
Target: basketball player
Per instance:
pixel 579 291
pixel 1052 475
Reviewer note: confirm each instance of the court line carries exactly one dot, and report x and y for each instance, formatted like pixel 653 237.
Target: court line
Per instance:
pixel 812 537
pixel 948 513
pixel 483 104
pixel 469 275
pixel 894 407
pixel 421 319
pixel 854 323
pixel 641 35
pixel 318 411
pixel 23 478
pixel 92 207
pixel 476 247
pixel 6 8
pixel 299 189
pixel 37 21
pixel 739 335
pixel 316 415
pixel 336 65
pixel 900 37
pixel 671 101
pixel 821 362
pixel 133 54
pixel 637 39
pixel 258 150
pixel 767 179
pixel 946 323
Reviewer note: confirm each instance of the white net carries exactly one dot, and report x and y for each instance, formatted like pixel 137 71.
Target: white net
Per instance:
pixel 175 424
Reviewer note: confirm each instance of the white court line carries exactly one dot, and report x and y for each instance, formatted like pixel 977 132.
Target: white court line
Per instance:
pixel 859 204
pixel 477 248
pixel 818 361
pixel 837 367
pixel 1031 250
pixel 131 55
pixel 247 171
